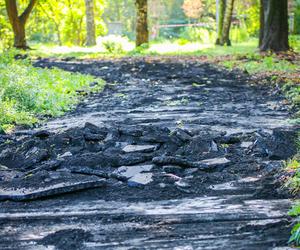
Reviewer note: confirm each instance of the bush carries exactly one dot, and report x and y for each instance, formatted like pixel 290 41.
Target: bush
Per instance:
pixel 28 92
pixel 114 44
pixel 200 34
pixel 239 33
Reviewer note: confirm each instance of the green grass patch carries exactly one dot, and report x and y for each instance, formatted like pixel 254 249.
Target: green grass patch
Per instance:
pixel 254 64
pixel 28 93
pixel 121 48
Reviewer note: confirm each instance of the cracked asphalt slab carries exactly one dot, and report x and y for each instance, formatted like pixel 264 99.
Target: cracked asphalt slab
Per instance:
pixel 171 155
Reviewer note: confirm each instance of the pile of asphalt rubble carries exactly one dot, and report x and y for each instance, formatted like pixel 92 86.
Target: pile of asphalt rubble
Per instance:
pixel 130 145
pixel 137 159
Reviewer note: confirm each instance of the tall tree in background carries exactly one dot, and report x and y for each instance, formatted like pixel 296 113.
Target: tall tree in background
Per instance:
pixel 18 22
pixel 227 23
pixel 220 5
pixel 90 23
pixel 142 33
pixel 274 26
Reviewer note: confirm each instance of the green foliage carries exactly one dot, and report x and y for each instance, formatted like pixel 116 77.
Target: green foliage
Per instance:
pixel 6 36
pixel 262 65
pixel 239 33
pixel 294 41
pixel 55 21
pixel 295 233
pixel 295 237
pixel 292 91
pixel 28 92
pixel 114 44
pixel 252 20
pixel 203 35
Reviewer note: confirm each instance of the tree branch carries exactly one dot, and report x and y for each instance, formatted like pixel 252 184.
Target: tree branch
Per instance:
pixel 27 11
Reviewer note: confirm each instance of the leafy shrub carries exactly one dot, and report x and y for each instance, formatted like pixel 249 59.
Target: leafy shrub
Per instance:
pixel 239 33
pixel 28 92
pixel 182 41
pixel 294 41
pixel 114 44
pixel 295 233
pixel 200 34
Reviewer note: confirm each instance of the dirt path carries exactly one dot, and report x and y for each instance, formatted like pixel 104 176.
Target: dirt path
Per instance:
pixel 170 156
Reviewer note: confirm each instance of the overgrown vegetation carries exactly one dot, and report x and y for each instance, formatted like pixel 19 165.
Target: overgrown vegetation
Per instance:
pixel 28 93
pixel 293 183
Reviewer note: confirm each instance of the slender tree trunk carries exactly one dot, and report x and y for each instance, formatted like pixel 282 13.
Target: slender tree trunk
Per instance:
pixel 58 34
pixel 262 21
pixel 18 22
pixel 90 23
pixel 275 27
pixel 142 33
pixel 227 23
pixel 220 19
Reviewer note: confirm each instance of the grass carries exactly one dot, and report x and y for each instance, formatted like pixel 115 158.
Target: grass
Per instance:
pixel 116 46
pixel 28 94
pixel 254 64
pixel 165 48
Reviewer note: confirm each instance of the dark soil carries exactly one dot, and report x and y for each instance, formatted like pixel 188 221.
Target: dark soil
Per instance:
pixel 171 155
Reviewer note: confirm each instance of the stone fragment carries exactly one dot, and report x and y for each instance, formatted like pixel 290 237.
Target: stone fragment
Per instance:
pixel 42 134
pixel 182 183
pixel 130 171
pixel 246 144
pixel 139 148
pixel 172 160
pixel 36 192
pixel 64 155
pixel 214 147
pixel 214 162
pixel 88 171
pixel 172 169
pixel 182 134
pixel 3 168
pixel 94 133
pixel 141 179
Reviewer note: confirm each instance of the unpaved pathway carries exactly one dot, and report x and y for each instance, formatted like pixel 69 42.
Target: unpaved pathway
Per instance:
pixel 170 156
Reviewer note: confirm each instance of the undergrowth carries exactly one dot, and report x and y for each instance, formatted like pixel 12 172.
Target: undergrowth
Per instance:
pixel 293 184
pixel 254 63
pixel 28 93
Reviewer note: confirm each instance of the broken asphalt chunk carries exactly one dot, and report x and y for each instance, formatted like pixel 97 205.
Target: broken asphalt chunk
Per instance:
pixel 46 185
pixel 139 148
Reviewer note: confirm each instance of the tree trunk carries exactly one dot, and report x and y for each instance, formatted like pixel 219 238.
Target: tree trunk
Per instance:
pixel 18 22
pixel 220 19
pixel 262 21
pixel 227 23
pixel 275 26
pixel 19 36
pixel 90 23
pixel 142 33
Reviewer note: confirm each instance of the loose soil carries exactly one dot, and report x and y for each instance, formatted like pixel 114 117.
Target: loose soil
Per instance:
pixel 173 154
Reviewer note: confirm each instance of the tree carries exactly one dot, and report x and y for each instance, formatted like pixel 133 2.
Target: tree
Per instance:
pixel 227 23
pixel 220 19
pixel 90 23
pixel 142 33
pixel 52 13
pixel 192 8
pixel 18 22
pixel 274 26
